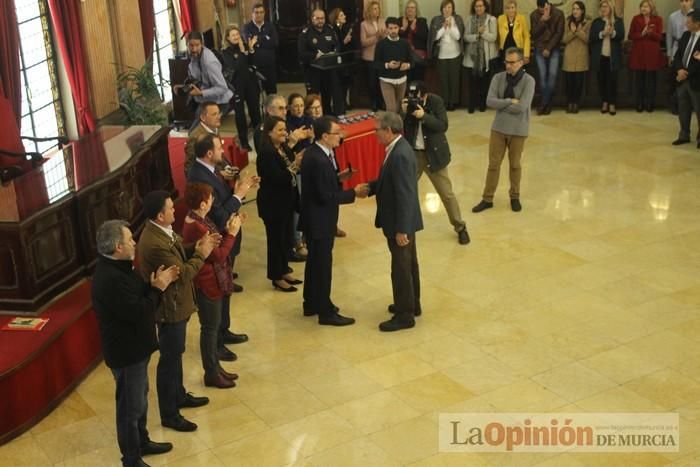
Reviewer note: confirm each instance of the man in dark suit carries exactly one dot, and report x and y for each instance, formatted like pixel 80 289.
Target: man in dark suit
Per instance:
pixel 209 122
pixel 209 154
pixel 320 200
pixel 686 62
pixel 399 217
pixel 426 124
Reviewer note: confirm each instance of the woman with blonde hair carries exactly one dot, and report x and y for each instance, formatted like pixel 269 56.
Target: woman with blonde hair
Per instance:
pixel 513 30
pixel 646 32
pixel 372 30
pixel 605 39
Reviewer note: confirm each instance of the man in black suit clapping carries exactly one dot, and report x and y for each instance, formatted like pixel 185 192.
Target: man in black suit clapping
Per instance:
pixel 320 200
pixel 399 217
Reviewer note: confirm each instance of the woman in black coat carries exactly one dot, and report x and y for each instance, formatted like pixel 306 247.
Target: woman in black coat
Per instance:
pixel 277 199
pixel 237 59
pixel 415 30
pixel 347 40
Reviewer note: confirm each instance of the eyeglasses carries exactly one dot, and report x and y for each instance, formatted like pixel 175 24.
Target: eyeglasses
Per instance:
pixel 511 62
pixel 334 133
pixel 315 107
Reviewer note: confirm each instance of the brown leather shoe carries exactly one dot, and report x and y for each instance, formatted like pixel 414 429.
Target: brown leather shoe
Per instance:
pixel 218 381
pixel 227 375
pixel 339 232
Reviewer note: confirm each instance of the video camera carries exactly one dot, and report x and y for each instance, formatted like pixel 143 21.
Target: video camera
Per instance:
pixel 187 86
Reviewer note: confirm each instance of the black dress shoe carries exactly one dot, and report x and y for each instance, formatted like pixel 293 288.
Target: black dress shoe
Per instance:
pixel 151 447
pixel 138 463
pixel 295 257
pixel 680 141
pixel 308 311
pixel 294 281
pixel 218 381
pixel 395 324
pixel 191 401
pixel 463 237
pixel 483 205
pixel 246 147
pixel 515 205
pixel 289 270
pixel 335 319
pixel 179 423
pixel 227 375
pixel 291 288
pixel 226 355
pixel 237 288
pixel 392 310
pixel 233 338
pixel 234 275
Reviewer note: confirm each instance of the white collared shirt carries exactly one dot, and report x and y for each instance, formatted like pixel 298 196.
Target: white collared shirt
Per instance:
pixel 389 148
pixel 169 230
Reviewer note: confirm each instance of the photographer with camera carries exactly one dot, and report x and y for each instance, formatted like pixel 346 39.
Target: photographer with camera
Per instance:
pixel 206 80
pixel 425 124
pixel 392 60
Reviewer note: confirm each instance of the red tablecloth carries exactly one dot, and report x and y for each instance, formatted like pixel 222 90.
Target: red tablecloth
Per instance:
pixel 362 150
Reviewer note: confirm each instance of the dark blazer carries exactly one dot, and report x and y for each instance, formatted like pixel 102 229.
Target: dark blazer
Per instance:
pixel 125 307
pixel 420 36
pixel 225 203
pixel 277 197
pixel 235 68
pixel 693 65
pixel 321 195
pixel 434 121
pixel 398 209
pixel 596 44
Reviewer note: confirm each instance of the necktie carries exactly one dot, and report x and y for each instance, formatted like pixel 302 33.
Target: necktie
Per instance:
pixel 688 50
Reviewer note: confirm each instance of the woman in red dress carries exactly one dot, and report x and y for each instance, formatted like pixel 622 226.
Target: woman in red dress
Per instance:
pixel 646 31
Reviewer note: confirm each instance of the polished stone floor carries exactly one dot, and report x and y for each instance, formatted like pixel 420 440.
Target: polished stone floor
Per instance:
pixel 586 301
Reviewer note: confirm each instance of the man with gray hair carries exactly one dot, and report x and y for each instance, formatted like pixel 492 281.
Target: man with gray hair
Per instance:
pixel 399 217
pixel 125 307
pixel 510 94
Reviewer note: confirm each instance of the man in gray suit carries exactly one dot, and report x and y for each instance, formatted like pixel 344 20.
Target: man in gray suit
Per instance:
pixel 399 217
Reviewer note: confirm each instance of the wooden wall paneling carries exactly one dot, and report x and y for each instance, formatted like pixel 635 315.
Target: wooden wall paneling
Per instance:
pixel 100 56
pixel 126 33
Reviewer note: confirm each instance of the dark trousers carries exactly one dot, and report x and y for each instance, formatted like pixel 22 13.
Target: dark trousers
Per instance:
pixel 645 86
pixel 607 82
pixel 210 314
pixel 449 70
pixel 132 409
pixel 279 242
pixel 405 280
pixel 326 83
pixel 249 96
pixel 672 91
pixel 478 89
pixel 270 74
pixel 171 391
pixel 574 86
pixel 417 73
pixel 225 322
pixel 373 91
pixel 318 275
pixel 688 104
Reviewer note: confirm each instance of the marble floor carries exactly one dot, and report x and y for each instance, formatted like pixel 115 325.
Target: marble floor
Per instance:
pixel 586 301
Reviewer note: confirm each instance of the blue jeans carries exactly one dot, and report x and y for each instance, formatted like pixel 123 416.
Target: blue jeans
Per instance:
pixel 132 409
pixel 171 392
pixel 548 69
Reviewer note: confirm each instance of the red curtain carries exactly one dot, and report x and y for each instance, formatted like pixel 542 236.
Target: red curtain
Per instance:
pixel 148 26
pixel 65 18
pixel 186 16
pixel 10 83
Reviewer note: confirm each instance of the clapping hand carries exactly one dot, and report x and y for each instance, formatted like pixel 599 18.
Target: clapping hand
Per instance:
pixel 207 243
pixel 244 185
pixel 233 225
pixel 573 26
pixel 163 277
pixel 252 41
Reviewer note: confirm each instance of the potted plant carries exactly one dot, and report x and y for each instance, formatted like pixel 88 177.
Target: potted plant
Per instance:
pixel 139 98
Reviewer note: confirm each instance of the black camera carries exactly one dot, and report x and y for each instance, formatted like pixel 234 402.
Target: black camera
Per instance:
pixel 188 85
pixel 413 98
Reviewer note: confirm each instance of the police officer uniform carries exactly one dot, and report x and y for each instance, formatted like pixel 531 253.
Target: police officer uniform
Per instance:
pixel 265 57
pixel 324 82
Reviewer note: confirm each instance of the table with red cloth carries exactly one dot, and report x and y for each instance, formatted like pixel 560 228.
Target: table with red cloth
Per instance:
pixel 362 150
